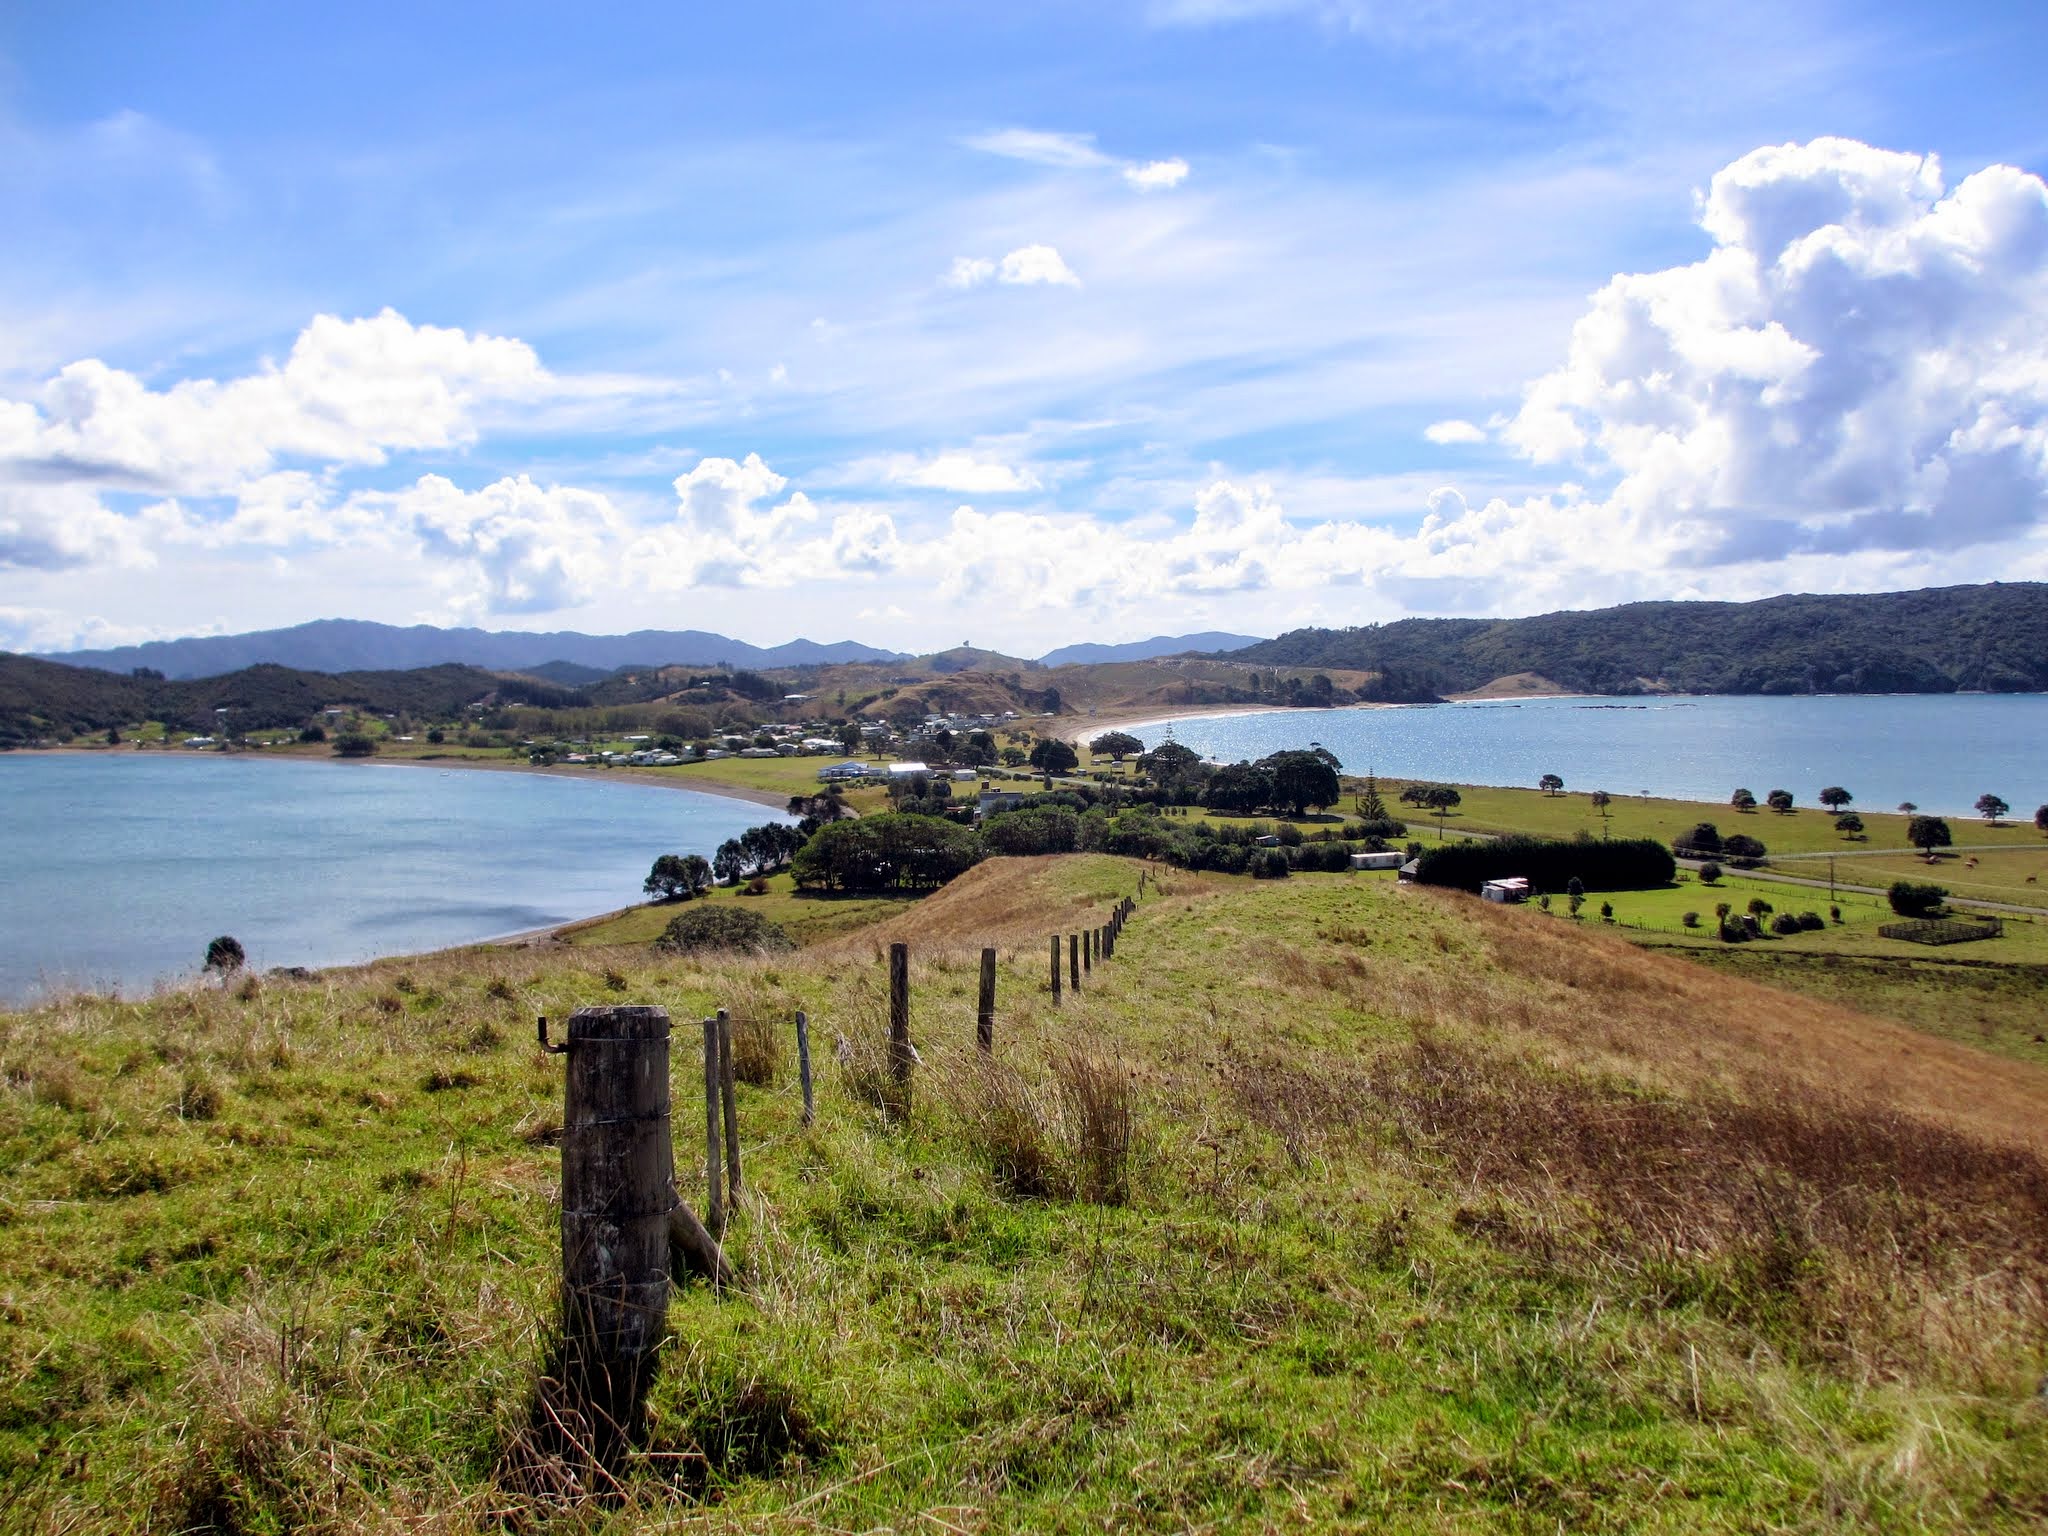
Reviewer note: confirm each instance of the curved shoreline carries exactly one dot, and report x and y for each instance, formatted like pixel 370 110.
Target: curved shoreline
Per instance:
pixel 639 777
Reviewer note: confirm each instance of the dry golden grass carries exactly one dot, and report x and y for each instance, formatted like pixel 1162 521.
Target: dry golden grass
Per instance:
pixel 1612 1006
pixel 1013 904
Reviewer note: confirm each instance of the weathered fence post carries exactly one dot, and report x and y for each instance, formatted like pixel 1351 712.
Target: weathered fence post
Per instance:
pixel 900 1053
pixel 803 1060
pixel 1087 949
pixel 730 1109
pixel 618 1199
pixel 985 1011
pixel 714 1175
pixel 1055 967
pixel 1109 939
pixel 1074 961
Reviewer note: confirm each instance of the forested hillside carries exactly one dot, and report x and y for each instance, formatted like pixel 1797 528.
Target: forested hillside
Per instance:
pixel 40 700
pixel 1939 640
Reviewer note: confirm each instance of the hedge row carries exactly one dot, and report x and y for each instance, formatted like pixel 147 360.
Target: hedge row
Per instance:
pixel 1550 864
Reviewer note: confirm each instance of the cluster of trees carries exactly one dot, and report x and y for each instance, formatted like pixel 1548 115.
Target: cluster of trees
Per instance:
pixel 889 852
pixel 1992 637
pixel 1705 841
pixel 1294 782
pixel 757 851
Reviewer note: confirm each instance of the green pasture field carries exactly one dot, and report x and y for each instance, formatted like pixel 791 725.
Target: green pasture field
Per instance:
pixel 806 916
pixel 2024 942
pixel 1311 1212
pixel 2001 874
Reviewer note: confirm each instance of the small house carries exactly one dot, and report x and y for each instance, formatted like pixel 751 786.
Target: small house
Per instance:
pixel 1513 888
pixel 1389 860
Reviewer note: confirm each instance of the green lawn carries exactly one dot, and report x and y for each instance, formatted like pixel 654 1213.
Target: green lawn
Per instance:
pixel 1382 1253
pixel 2000 874
pixel 805 916
pixel 1808 829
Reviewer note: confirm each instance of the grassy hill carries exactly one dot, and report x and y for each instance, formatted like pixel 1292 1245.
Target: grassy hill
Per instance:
pixel 1429 1216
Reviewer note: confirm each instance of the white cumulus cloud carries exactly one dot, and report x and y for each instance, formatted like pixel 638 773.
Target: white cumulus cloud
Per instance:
pixel 1036 264
pixel 1157 175
pixel 1023 267
pixel 1860 364
pixel 1454 431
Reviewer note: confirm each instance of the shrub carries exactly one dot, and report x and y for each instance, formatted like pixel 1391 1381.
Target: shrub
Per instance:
pixel 1785 923
pixel 1910 898
pixel 1709 873
pixel 1271 865
pixel 718 926
pixel 1691 919
pixel 1329 858
pixel 1607 911
pixel 1624 864
pixel 354 744
pixel 313 733
pixel 225 955
pixel 1811 922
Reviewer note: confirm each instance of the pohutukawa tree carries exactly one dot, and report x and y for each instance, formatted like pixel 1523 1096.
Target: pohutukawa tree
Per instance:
pixel 1834 797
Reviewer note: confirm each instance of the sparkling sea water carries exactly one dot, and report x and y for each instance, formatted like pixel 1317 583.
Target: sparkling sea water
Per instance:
pixel 117 868
pixel 1940 751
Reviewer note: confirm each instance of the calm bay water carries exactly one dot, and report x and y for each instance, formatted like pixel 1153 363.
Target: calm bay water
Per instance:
pixel 120 867
pixel 1940 751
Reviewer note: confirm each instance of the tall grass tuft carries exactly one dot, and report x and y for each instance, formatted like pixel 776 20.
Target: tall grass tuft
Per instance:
pixel 1067 1134
pixel 1101 1125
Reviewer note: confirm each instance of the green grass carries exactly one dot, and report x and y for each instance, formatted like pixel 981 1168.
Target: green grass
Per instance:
pixel 1404 1247
pixel 806 916
pixel 1807 829
pixel 1996 1007
pixel 1999 874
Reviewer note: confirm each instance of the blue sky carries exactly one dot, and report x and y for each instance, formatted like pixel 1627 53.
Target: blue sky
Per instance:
pixel 928 322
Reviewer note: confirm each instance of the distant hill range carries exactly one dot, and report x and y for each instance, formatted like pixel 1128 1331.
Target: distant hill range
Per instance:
pixel 1208 642
pixel 356 645
pixel 1990 638
pixel 562 656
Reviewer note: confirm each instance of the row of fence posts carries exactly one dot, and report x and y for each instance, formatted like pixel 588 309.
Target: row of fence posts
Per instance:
pixel 1087 949
pixel 626 1232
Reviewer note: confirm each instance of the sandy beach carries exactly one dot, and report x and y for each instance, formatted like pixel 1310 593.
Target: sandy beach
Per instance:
pixel 1133 720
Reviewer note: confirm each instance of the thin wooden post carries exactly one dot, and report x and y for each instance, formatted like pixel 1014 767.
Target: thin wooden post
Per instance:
pixel 730 1109
pixel 1074 961
pixel 618 1200
pixel 1087 949
pixel 714 1175
pixel 1109 940
pixel 1055 967
pixel 985 1012
pixel 900 1053
pixel 803 1060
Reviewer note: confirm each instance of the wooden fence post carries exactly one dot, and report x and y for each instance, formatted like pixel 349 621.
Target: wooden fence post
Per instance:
pixel 803 1060
pixel 714 1175
pixel 618 1198
pixel 730 1109
pixel 1087 949
pixel 900 1053
pixel 1074 961
pixel 985 1012
pixel 1055 967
